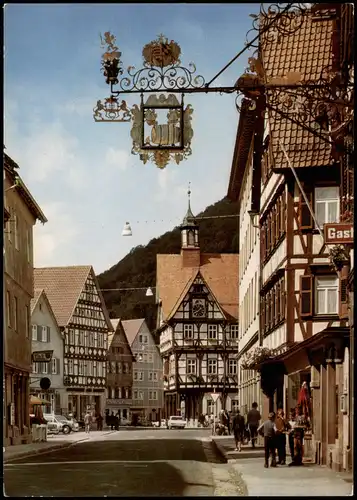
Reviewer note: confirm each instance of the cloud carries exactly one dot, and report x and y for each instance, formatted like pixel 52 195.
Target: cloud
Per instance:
pixel 118 158
pixel 52 241
pixel 46 151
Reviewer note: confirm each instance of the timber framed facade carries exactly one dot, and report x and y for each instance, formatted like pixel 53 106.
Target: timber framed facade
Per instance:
pixel 81 313
pixel 198 324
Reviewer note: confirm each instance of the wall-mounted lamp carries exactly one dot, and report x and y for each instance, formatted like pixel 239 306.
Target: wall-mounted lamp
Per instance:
pixel 127 230
pixel 17 183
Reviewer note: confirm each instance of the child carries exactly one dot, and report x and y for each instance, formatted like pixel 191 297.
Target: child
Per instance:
pixel 268 430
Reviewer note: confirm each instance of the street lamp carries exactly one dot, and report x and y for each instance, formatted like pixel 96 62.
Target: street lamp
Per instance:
pixel 149 292
pixel 127 230
pixel 17 183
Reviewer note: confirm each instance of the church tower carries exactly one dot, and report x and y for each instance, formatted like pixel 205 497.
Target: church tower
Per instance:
pixel 190 249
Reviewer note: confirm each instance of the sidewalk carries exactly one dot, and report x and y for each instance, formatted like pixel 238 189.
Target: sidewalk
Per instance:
pixel 308 480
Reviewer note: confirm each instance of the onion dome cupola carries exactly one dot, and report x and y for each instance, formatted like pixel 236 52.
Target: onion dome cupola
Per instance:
pixel 189 228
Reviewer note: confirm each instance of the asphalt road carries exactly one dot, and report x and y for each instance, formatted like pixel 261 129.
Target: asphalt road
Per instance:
pixel 124 463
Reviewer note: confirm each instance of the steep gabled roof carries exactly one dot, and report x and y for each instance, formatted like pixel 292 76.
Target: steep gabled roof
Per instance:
pixel 131 328
pixel 38 294
pixel 118 330
pixel 219 271
pixel 63 286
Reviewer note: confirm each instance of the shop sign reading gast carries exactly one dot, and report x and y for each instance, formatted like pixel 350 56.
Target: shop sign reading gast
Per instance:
pixel 338 233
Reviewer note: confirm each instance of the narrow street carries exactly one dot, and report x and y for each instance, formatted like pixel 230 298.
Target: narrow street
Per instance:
pixel 124 463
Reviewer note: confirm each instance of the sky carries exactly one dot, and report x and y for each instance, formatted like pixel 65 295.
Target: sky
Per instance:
pixel 82 173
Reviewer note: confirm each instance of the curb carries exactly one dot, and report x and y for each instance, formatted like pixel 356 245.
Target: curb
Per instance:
pixel 219 450
pixel 41 451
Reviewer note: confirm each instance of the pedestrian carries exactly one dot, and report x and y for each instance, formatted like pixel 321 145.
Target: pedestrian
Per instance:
pixel 99 422
pixel 253 419
pixel 280 438
pixel 238 425
pixel 267 429
pixel 87 422
pixel 291 425
pixel 112 421
pixel 299 429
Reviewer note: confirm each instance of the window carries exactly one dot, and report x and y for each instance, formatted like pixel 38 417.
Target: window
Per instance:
pixel 44 367
pixel 327 204
pixel 71 336
pixel 326 294
pixel 232 367
pixel 212 366
pixel 145 357
pixel 135 375
pixel 8 308
pixel 212 332
pixel 81 338
pixel 210 407
pixel 54 366
pixel 153 395
pixel 273 227
pixel 16 227
pixel 150 357
pixel 145 339
pixel 27 322
pixel 135 394
pixel 81 367
pixel 234 331
pixel 118 370
pixel 155 377
pixel 191 366
pixel 44 334
pixel 151 376
pixel 15 314
pixel 34 368
pixel 141 395
pixel 188 331
pixel 272 307
pixel 141 376
pixel 70 367
pixel 140 339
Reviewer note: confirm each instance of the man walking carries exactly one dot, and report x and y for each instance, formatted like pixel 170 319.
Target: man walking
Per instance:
pixel 253 423
pixel 87 422
pixel 267 429
pixel 238 430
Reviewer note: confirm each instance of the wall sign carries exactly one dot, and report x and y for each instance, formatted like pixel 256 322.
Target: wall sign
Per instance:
pixel 338 233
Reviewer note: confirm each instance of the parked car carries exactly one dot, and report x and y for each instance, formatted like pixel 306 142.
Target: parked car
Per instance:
pixel 72 422
pixel 176 422
pixel 57 423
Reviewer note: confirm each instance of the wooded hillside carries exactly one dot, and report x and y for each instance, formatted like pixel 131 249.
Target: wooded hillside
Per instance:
pixel 138 267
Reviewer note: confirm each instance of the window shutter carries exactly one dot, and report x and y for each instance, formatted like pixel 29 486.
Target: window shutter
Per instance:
pixel 306 221
pixel 48 334
pixel 39 333
pixel 306 286
pixel 57 366
pixel 343 299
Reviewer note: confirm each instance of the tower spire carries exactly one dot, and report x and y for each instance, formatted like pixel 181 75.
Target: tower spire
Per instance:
pixel 189 217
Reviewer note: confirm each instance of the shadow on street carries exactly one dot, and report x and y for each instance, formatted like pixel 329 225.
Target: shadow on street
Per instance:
pixel 167 467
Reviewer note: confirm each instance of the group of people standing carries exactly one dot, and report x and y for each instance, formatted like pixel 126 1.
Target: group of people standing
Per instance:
pixel 89 420
pixel 275 429
pixel 112 420
pixel 246 431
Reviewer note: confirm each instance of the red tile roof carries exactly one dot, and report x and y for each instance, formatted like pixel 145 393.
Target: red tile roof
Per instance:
pixel 307 52
pixel 63 286
pixel 220 271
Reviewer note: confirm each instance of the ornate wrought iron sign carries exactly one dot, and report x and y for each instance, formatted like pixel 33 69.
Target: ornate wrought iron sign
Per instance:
pixel 311 104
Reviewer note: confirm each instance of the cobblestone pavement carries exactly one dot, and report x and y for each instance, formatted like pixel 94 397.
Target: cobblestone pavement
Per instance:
pixel 142 463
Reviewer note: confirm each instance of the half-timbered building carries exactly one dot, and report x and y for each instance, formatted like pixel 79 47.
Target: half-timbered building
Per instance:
pixel 82 316
pixel 197 295
pixel 301 297
pixel 120 360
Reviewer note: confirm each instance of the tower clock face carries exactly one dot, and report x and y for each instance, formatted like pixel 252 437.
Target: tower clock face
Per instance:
pixel 198 308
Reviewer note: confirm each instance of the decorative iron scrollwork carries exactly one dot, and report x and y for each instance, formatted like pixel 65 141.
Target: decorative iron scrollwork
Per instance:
pixel 111 111
pixel 276 21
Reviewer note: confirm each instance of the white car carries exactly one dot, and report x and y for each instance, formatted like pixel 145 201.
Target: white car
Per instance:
pixel 57 423
pixel 176 422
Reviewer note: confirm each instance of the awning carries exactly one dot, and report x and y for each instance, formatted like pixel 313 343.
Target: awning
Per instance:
pixel 299 355
pixel 34 400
